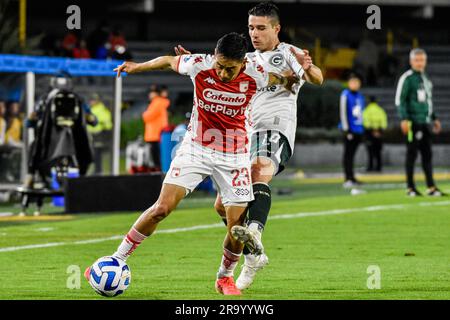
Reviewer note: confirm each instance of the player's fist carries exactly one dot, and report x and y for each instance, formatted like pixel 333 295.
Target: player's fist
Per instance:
pixel 303 58
pixel 128 67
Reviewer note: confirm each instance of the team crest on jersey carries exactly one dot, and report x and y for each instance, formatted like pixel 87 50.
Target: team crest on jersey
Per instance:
pixel 198 60
pixel 243 86
pixel 276 60
pixel 175 172
pixel 259 68
pixel 210 80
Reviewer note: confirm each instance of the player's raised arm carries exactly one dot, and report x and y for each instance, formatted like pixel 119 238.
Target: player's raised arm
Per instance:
pixel 312 73
pixel 287 81
pixel 160 63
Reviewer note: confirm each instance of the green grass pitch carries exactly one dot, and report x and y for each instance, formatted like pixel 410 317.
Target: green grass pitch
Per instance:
pixel 322 252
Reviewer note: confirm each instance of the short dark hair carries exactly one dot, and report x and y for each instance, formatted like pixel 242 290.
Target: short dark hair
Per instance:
pixel 232 46
pixel 372 99
pixel 266 9
pixel 354 75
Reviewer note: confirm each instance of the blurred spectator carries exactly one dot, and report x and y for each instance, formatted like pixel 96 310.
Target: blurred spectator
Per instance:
pixel 2 123
pixel 117 38
pixel 121 53
pixel 351 113
pixel 375 122
pixel 13 133
pixel 366 60
pixel 155 119
pixel 100 132
pixel 118 46
pixel 102 52
pixel 69 43
pixel 98 38
pixel 81 51
pixel 10 155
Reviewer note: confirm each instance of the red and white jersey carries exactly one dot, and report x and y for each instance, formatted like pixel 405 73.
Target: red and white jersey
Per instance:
pixel 220 115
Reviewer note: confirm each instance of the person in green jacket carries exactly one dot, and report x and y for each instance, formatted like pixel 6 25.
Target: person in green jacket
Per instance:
pixel 414 101
pixel 101 132
pixel 375 122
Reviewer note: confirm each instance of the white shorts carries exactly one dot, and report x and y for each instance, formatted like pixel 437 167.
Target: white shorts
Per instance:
pixel 230 172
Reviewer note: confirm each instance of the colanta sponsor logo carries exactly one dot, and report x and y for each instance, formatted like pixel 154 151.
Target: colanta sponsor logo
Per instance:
pixel 228 98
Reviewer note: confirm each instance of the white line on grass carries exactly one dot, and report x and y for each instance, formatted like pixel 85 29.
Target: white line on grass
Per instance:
pixel 219 225
pixel 6 214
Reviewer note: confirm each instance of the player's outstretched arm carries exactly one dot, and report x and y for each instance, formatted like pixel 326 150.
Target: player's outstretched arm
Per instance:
pixel 160 63
pixel 312 74
pixel 286 81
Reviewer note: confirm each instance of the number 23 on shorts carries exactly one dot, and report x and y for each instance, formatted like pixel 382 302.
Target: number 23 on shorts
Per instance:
pixel 241 177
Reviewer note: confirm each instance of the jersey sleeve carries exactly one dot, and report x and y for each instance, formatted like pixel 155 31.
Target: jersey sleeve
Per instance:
pixel 401 97
pixel 292 60
pixel 190 64
pixel 343 111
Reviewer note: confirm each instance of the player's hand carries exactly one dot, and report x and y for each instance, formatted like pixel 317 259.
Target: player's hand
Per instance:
pixel 290 81
pixel 437 127
pixel 303 58
pixel 404 125
pixel 128 67
pixel 179 50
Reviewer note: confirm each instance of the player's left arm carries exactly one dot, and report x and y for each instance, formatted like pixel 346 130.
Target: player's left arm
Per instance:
pixel 312 73
pixel 160 63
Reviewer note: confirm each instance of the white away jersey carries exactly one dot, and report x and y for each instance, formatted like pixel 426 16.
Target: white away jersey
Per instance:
pixel 220 113
pixel 274 107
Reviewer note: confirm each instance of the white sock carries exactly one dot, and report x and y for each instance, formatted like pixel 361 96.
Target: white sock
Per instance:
pixel 229 262
pixel 129 243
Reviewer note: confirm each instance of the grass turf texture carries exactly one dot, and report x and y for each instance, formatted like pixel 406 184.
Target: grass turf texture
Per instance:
pixel 314 257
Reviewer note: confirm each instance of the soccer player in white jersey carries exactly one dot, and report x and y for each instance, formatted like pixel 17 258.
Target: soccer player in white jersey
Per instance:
pixel 274 122
pixel 215 145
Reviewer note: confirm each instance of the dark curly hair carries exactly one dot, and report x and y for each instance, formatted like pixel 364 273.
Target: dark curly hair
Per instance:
pixel 232 46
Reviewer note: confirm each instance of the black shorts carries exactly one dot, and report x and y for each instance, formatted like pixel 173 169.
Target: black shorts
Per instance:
pixel 273 145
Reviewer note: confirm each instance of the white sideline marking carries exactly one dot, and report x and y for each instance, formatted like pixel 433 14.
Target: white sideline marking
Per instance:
pixel 45 229
pixel 6 214
pixel 218 225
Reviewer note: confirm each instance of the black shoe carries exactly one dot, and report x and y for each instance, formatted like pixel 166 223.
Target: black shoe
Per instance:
pixel 413 193
pixel 435 193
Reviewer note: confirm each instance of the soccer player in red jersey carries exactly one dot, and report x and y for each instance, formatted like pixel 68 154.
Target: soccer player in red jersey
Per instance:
pixel 215 145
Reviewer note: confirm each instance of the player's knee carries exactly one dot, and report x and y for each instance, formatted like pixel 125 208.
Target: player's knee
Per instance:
pixel 262 172
pixel 160 211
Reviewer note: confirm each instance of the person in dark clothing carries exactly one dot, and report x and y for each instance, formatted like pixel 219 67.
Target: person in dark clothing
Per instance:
pixel 351 106
pixel 375 122
pixel 414 101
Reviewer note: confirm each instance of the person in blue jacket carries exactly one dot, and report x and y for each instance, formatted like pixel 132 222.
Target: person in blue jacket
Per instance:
pixel 351 108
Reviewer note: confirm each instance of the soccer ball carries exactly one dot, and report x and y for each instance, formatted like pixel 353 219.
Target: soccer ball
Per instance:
pixel 109 276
